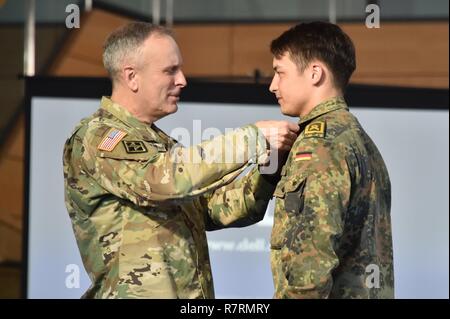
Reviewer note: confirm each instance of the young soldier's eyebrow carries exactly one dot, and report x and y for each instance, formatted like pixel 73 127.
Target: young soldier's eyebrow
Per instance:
pixel 278 66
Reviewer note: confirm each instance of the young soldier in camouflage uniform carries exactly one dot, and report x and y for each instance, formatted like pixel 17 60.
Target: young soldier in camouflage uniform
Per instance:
pixel 139 204
pixel 332 230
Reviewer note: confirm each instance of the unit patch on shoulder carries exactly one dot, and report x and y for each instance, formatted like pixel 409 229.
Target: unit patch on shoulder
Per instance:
pixel 133 147
pixel 111 139
pixel 316 129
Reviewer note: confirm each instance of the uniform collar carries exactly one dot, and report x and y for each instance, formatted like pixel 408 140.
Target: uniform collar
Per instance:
pixel 148 132
pixel 327 106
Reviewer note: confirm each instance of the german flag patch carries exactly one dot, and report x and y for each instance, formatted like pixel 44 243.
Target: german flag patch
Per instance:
pixel 112 138
pixel 303 156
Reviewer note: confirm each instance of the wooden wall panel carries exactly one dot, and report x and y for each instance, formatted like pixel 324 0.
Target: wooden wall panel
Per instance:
pixel 418 81
pixel 90 40
pixel 403 54
pixel 10 244
pixel 15 144
pixel 406 54
pixel 251 48
pixel 11 185
pixel 74 66
pixel 205 51
pixel 10 49
pixel 11 177
pixel 84 47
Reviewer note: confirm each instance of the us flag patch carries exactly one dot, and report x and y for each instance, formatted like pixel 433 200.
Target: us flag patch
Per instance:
pixel 111 139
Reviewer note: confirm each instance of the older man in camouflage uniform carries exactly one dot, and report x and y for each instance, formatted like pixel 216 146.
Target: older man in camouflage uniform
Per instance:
pixel 139 203
pixel 332 231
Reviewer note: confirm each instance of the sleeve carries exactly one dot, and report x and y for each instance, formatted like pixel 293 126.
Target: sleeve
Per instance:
pixel 158 175
pixel 315 224
pixel 243 202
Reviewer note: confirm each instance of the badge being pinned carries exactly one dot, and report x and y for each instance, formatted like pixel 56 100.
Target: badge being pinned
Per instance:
pixel 111 139
pixel 316 129
pixel 302 156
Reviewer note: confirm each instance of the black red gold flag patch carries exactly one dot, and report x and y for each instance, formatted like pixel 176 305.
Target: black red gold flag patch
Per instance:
pixel 302 156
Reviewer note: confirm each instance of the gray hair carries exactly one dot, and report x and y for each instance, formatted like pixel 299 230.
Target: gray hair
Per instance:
pixel 126 43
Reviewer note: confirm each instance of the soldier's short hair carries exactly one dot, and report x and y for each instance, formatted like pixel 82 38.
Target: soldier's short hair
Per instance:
pixel 125 43
pixel 323 41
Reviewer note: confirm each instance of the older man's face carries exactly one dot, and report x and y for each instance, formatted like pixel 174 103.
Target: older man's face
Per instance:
pixel 160 76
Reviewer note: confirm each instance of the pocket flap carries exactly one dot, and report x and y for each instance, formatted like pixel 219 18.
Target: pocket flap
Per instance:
pixel 287 185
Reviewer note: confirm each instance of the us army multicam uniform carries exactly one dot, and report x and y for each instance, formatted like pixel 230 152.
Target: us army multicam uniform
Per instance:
pixel 332 229
pixel 140 217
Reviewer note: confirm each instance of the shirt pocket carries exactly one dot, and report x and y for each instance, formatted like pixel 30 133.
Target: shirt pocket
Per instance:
pixel 289 205
pixel 290 189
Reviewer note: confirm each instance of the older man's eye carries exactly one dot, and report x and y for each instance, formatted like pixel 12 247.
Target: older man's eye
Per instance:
pixel 171 71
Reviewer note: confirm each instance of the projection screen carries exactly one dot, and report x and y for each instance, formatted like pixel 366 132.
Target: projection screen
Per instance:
pixel 414 144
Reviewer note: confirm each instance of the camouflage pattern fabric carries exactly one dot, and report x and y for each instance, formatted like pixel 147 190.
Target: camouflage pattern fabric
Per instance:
pixel 140 204
pixel 332 229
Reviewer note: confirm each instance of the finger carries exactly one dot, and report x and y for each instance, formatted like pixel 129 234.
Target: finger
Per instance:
pixel 291 136
pixel 285 143
pixel 293 127
pixel 285 147
pixel 287 140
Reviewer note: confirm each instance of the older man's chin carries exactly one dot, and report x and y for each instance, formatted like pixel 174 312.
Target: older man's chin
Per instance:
pixel 173 108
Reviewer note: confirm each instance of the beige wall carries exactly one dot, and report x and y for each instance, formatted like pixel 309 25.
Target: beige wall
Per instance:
pixel 413 54
pixel 12 151
pixel 405 54
pixel 11 193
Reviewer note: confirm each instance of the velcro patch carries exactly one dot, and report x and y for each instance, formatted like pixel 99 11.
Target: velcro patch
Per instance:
pixel 316 129
pixel 133 147
pixel 111 139
pixel 302 156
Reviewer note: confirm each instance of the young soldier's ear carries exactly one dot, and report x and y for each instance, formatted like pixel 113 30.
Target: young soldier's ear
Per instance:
pixel 317 73
pixel 129 77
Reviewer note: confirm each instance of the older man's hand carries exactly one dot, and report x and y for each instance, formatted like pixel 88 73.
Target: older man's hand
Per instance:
pixel 279 134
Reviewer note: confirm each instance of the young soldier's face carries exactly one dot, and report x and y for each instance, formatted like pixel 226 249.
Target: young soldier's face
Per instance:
pixel 290 86
pixel 161 77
